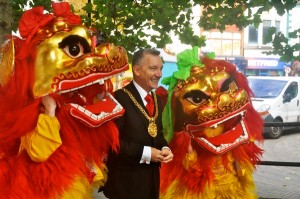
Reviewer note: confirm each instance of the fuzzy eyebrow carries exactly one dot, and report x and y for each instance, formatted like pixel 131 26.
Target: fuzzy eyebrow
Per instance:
pixel 225 84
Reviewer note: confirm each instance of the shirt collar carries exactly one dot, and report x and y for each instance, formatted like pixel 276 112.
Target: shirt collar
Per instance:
pixel 141 91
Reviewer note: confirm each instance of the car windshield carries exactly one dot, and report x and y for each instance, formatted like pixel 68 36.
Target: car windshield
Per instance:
pixel 266 88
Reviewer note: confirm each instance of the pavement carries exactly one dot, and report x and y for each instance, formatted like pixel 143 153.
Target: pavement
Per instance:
pixel 275 182
pixel 280 182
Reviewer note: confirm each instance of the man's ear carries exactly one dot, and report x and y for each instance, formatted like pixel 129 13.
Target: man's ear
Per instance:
pixel 136 70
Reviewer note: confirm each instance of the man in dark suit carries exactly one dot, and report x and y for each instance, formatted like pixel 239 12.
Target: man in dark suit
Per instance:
pixel 133 172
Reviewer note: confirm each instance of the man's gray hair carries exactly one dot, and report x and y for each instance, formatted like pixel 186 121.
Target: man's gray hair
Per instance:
pixel 138 56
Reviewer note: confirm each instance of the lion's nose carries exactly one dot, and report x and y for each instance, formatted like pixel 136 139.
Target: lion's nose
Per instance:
pixel 226 103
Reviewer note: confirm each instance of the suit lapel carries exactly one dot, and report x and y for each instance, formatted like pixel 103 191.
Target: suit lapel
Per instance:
pixel 131 88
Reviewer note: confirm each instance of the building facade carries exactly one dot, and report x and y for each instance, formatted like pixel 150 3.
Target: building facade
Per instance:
pixel 245 48
pixel 255 45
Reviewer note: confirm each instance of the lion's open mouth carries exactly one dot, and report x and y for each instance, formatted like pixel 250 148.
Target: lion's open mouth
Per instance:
pixel 91 102
pixel 235 132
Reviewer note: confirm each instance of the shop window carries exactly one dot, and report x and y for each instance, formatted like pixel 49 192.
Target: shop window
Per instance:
pixel 277 26
pixel 263 72
pixel 236 47
pixel 217 46
pixel 226 43
pixel 253 35
pixel 251 72
pixel 266 27
pixel 276 73
pixel 227 47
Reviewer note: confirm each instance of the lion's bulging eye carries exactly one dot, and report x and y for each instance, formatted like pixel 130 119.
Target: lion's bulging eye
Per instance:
pixel 75 46
pixel 196 97
pixel 74 50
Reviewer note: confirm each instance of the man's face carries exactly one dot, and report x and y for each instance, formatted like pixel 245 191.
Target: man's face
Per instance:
pixel 149 73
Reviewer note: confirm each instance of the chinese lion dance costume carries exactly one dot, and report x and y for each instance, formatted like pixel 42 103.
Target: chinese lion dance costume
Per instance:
pixel 60 156
pixel 212 129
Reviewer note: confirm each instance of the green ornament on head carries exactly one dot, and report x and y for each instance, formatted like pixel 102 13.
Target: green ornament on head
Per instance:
pixel 185 61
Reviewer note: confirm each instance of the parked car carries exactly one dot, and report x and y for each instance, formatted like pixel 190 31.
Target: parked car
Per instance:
pixel 276 99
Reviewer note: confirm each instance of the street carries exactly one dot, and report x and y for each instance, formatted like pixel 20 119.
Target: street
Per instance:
pixel 276 182
pixel 280 182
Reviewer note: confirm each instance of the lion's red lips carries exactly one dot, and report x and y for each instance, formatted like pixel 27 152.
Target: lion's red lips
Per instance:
pixel 107 109
pixel 228 140
pixel 92 102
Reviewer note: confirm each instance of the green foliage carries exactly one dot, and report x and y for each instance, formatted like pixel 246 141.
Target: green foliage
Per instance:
pixel 280 42
pixel 282 48
pixel 269 36
pixel 133 23
pixel 217 14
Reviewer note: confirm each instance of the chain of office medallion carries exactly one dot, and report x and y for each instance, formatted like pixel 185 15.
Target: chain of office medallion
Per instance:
pixel 141 109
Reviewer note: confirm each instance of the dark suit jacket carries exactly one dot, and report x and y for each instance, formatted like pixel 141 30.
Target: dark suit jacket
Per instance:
pixel 127 178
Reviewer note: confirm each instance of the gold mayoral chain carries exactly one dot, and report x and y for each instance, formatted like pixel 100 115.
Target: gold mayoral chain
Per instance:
pixel 152 128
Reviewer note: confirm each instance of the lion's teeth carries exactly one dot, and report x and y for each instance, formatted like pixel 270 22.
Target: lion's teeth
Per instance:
pixel 214 126
pixel 101 81
pixel 86 85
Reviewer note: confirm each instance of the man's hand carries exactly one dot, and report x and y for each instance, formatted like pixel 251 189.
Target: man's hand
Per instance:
pixel 156 155
pixel 165 155
pixel 168 155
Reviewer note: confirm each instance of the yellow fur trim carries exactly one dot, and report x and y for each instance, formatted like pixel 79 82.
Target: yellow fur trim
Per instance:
pixel 189 160
pixel 227 186
pixel 77 190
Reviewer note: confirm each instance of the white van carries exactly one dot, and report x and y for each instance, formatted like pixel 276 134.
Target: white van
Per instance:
pixel 276 99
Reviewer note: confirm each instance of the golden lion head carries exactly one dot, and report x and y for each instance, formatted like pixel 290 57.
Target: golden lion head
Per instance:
pixel 209 101
pixel 64 60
